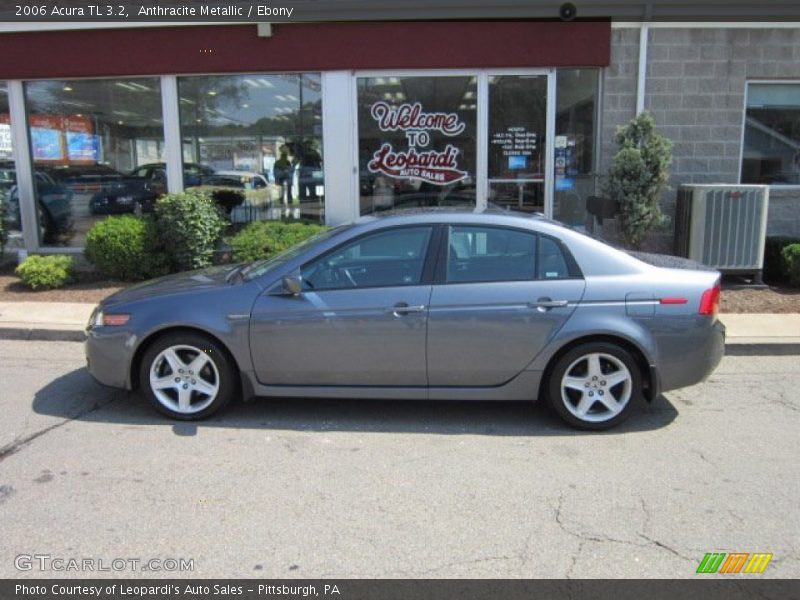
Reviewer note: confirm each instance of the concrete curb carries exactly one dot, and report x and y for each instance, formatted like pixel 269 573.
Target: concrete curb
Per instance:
pixel 36 334
pixel 762 349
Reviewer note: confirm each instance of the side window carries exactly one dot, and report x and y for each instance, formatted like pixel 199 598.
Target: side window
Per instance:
pixel 387 258
pixel 490 254
pixel 552 264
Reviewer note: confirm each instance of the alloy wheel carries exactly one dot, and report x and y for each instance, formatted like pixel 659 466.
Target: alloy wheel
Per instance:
pixel 596 387
pixel 184 379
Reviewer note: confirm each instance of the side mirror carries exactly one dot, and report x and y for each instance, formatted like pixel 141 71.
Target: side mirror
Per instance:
pixel 293 284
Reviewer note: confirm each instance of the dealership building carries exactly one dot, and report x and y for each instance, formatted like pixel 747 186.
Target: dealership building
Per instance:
pixel 332 120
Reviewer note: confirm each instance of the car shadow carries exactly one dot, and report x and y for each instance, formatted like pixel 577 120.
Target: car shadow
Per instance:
pixel 77 396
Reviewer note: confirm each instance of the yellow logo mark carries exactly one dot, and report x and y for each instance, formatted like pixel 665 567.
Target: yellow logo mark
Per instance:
pixel 758 562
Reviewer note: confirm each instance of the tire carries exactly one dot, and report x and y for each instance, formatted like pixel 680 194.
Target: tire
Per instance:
pixel 582 389
pixel 181 392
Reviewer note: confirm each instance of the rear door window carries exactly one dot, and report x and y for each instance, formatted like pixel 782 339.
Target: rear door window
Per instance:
pixel 479 254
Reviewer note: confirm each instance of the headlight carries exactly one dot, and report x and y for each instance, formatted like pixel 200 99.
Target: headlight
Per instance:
pixel 101 319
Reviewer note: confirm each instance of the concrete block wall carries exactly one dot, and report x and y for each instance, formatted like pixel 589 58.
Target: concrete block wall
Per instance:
pixel 695 89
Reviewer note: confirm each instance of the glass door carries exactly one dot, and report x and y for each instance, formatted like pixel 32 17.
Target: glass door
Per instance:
pixel 443 138
pixel 517 157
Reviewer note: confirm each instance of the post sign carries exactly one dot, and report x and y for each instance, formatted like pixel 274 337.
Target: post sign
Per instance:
pixel 438 167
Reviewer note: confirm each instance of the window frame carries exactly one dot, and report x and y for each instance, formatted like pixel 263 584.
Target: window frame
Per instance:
pixel 574 272
pixel 777 186
pixel 429 262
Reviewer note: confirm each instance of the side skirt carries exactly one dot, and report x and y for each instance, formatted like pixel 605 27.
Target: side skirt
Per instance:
pixel 523 387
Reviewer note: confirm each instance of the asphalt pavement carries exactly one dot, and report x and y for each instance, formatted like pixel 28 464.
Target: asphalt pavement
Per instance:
pixel 311 488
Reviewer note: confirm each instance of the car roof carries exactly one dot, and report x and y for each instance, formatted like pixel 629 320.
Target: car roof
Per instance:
pixel 440 214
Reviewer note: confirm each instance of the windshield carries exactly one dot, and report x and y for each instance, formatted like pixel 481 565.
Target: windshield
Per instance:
pixel 262 267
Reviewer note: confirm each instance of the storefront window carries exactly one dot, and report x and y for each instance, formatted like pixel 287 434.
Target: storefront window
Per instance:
pixel 416 141
pixel 771 151
pixel 517 121
pixel 88 140
pixel 9 201
pixel 255 143
pixel 576 123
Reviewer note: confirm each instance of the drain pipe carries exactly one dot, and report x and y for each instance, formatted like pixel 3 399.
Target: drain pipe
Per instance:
pixel 644 33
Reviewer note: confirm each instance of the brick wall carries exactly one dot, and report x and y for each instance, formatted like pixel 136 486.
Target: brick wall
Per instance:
pixel 695 90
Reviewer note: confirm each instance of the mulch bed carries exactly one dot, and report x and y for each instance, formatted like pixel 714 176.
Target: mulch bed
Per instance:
pixel 90 287
pixel 770 300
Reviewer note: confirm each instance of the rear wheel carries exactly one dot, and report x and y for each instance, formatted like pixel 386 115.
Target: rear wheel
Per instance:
pixel 187 376
pixel 595 386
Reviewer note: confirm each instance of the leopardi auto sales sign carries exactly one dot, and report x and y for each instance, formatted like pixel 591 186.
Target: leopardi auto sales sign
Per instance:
pixel 439 167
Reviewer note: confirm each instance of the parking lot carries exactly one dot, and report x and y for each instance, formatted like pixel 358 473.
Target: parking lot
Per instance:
pixel 310 488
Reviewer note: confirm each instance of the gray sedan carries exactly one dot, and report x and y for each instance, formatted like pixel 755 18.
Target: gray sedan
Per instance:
pixel 425 305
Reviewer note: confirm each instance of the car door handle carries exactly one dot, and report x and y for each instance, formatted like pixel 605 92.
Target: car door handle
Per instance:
pixel 401 308
pixel 547 303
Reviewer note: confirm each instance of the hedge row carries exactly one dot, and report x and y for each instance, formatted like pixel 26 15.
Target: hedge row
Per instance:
pixel 182 235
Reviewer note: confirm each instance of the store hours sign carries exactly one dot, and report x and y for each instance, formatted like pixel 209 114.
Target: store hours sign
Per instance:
pixel 439 167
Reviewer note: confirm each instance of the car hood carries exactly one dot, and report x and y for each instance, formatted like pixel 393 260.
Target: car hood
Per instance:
pixel 190 281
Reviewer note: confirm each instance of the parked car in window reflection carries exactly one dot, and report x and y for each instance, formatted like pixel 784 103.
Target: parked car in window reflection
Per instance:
pixel 53 201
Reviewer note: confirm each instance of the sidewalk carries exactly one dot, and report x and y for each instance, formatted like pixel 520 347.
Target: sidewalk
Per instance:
pixel 66 321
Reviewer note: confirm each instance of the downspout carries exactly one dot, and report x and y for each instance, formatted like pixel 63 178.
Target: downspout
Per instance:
pixel 644 33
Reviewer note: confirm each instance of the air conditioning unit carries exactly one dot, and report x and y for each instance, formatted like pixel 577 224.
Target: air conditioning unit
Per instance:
pixel 723 226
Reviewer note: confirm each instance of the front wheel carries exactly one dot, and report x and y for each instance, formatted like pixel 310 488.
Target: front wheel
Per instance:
pixel 187 376
pixel 595 386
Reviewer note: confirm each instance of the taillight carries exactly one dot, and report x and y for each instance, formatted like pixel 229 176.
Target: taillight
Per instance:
pixel 709 302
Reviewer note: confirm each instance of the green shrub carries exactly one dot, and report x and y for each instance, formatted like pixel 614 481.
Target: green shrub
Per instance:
pixel 774 265
pixel 263 239
pixel 637 176
pixel 45 272
pixel 189 226
pixel 791 260
pixel 125 248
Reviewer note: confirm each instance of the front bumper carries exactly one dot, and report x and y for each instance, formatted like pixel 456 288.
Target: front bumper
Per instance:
pixel 109 355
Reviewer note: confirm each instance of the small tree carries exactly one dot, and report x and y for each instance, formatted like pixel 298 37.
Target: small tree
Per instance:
pixel 189 226
pixel 638 175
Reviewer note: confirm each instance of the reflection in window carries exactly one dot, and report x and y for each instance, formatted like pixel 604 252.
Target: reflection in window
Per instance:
pixel 576 126
pixel 257 141
pixel 416 142
pixel 387 258
pixel 771 153
pixel 88 139
pixel 478 254
pixel 8 173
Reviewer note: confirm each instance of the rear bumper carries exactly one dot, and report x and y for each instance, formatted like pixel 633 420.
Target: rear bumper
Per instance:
pixel 691 358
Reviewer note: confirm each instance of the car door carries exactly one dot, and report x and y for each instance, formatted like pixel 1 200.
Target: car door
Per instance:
pixel 500 295
pixel 360 319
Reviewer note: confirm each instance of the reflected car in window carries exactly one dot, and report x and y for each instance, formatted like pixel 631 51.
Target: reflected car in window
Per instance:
pixel 231 189
pixel 434 304
pixel 193 174
pixel 53 206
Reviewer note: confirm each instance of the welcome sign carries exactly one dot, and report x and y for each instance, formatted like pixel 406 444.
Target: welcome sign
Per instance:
pixel 439 167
